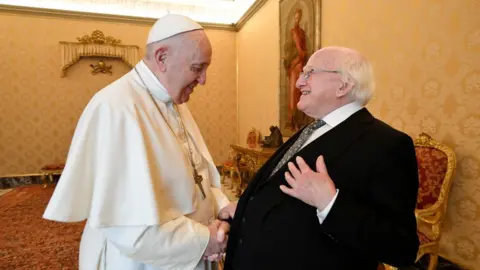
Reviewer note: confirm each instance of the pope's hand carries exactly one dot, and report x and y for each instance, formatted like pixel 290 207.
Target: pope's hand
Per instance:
pixel 218 240
pixel 226 213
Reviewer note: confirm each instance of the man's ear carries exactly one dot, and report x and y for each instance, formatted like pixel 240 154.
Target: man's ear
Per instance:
pixel 161 57
pixel 344 89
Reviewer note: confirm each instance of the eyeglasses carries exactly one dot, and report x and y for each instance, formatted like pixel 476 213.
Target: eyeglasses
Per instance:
pixel 310 71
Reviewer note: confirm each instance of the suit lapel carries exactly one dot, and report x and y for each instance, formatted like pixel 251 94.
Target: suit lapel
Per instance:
pixel 331 145
pixel 337 140
pixel 264 172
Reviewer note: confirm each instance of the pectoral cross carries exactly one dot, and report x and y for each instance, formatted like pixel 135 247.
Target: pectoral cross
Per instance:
pixel 198 180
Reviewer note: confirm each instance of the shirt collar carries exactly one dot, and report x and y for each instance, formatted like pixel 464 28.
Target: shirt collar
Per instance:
pixel 151 82
pixel 341 114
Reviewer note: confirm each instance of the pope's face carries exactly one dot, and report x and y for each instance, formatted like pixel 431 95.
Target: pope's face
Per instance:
pixel 189 68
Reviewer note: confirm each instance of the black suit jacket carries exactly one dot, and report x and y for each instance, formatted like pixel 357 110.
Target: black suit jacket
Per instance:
pixel 372 220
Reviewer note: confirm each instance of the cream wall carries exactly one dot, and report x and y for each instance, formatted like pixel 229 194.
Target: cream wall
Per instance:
pixel 427 60
pixel 39 110
pixel 258 71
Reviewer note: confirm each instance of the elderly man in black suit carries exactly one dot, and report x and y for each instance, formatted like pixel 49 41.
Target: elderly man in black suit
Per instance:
pixel 341 193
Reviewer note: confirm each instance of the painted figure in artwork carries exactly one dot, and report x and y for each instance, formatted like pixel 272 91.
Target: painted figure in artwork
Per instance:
pixel 296 118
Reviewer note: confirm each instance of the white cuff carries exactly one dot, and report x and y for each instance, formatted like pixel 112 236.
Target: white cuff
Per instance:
pixel 221 200
pixel 323 214
pixel 176 244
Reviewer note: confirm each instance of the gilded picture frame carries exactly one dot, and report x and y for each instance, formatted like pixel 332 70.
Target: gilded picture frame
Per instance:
pixel 300 36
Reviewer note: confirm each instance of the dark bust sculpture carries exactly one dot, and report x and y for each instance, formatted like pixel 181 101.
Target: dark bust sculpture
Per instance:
pixel 274 140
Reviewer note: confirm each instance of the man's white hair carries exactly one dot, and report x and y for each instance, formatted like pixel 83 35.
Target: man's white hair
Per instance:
pixel 357 70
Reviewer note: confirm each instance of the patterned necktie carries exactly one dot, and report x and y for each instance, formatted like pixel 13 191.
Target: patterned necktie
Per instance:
pixel 298 143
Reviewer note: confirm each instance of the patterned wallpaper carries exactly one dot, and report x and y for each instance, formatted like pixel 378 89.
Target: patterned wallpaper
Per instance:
pixel 426 55
pixel 39 110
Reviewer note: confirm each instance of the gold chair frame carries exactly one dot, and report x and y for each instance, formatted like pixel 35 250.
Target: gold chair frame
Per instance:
pixel 434 215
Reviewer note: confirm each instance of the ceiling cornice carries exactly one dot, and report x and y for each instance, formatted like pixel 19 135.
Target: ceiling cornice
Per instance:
pixel 96 16
pixel 250 12
pixel 122 18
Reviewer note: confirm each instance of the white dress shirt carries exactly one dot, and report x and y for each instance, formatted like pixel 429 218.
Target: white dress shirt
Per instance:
pixel 332 120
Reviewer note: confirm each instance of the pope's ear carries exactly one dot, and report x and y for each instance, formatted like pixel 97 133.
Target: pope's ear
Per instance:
pixel 161 57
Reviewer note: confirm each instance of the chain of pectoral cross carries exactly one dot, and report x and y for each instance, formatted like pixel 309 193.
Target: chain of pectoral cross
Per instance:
pixel 196 177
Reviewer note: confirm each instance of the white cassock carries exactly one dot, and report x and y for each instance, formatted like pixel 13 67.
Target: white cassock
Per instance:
pixel 130 176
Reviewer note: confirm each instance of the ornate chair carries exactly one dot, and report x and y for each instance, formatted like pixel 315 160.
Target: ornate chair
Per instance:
pixel 48 171
pixel 244 169
pixel 436 166
pixel 237 169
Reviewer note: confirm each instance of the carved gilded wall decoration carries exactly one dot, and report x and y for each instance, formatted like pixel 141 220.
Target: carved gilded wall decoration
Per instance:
pixel 97 45
pixel 101 67
pixel 98 37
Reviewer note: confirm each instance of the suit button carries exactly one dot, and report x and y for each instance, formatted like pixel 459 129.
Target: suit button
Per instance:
pixel 243 219
pixel 251 198
pixel 240 241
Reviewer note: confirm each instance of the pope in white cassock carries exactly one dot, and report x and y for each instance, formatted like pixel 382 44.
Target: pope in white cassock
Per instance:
pixel 138 168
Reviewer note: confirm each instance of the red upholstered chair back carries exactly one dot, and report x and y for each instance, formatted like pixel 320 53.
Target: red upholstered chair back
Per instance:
pixel 432 167
pixel 436 163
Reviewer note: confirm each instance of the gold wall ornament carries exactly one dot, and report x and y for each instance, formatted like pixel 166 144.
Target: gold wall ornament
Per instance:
pixel 101 67
pixel 96 45
pixel 98 37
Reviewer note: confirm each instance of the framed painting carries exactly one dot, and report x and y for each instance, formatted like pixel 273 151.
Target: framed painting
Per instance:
pixel 300 34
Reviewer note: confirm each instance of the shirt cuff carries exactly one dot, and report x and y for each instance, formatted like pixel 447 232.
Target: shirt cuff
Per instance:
pixel 322 215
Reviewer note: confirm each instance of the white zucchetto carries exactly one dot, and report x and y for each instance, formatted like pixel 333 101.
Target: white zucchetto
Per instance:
pixel 171 25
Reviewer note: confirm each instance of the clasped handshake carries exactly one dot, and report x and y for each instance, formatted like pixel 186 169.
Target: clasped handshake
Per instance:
pixel 219 230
